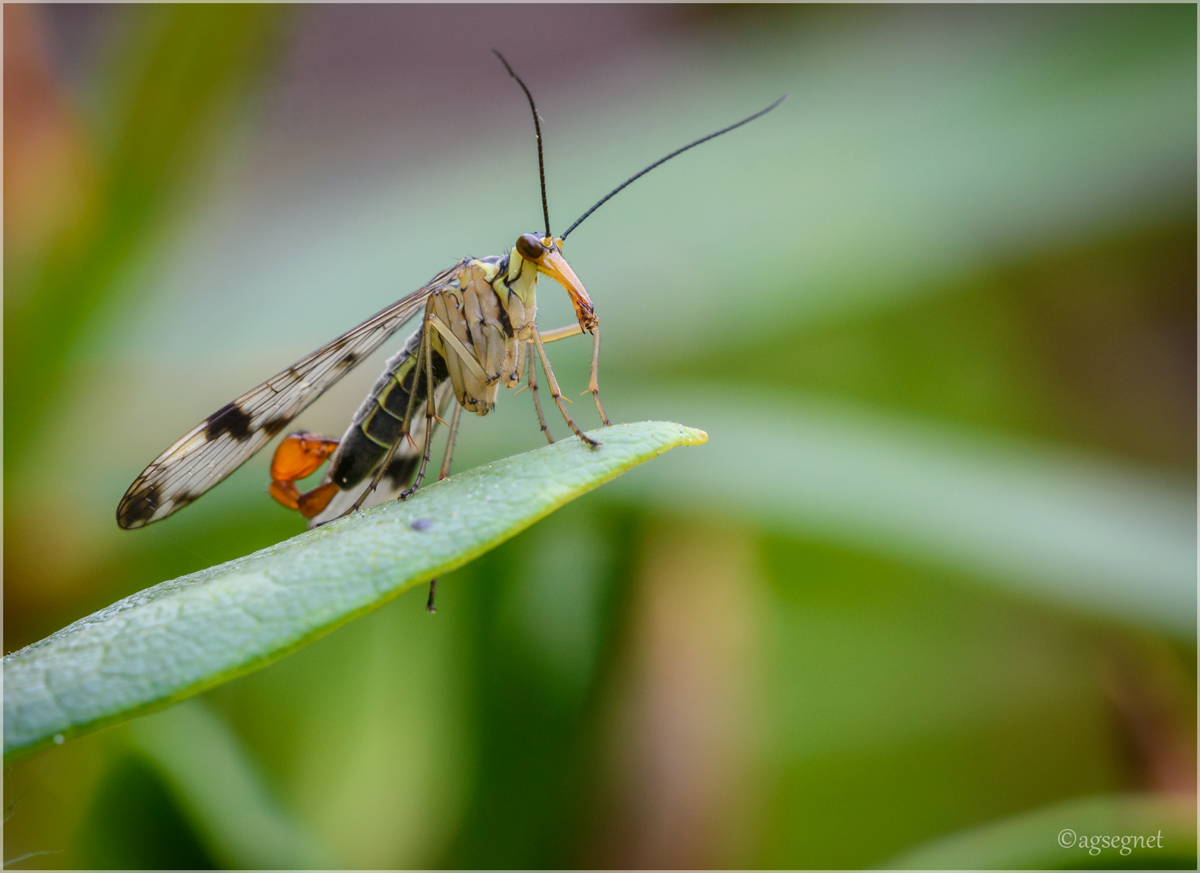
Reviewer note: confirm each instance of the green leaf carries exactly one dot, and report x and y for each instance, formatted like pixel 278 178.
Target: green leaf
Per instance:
pixel 1072 835
pixel 215 782
pixel 180 637
pixel 1060 526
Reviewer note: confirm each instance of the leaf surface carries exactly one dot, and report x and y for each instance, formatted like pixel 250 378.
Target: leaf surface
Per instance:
pixel 188 634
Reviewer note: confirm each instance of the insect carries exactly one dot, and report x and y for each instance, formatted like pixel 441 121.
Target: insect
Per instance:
pixel 478 332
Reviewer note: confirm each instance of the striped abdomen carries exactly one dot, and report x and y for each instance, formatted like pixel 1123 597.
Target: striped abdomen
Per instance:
pixel 379 421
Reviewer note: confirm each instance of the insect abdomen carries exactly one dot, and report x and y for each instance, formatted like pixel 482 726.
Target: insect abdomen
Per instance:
pixel 380 421
pixel 359 460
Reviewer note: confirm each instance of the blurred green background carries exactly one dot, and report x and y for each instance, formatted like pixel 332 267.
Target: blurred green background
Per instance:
pixel 935 570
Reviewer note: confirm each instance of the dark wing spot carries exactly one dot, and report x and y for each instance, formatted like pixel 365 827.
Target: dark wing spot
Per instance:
pixel 229 420
pixel 347 362
pixel 137 509
pixel 275 425
pixel 183 500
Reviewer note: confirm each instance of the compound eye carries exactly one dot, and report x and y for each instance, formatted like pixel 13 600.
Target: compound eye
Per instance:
pixel 529 246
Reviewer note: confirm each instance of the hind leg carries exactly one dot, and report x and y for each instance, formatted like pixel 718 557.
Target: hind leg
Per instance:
pixel 430 411
pixel 445 471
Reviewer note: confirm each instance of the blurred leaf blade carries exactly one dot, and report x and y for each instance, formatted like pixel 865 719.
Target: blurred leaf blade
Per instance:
pixel 182 636
pixel 1044 167
pixel 185 67
pixel 1058 525
pixel 1031 840
pixel 215 782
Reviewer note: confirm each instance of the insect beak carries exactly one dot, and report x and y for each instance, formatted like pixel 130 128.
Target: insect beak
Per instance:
pixel 554 265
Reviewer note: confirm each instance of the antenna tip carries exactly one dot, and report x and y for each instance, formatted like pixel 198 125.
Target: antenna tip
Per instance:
pixel 496 52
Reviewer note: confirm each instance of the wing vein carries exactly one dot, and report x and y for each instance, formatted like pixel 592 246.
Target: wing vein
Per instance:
pixel 225 440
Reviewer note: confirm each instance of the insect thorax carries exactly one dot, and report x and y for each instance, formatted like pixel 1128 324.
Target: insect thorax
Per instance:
pixel 490 305
pixel 515 283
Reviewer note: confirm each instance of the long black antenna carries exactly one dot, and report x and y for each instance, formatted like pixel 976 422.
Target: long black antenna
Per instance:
pixel 638 175
pixel 538 128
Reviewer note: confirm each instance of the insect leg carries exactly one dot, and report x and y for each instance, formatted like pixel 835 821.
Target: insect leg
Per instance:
pixel 379 471
pixel 422 354
pixel 445 471
pixel 547 337
pixel 537 404
pixel 454 344
pixel 552 336
pixel 594 384
pixel 430 408
pixel 557 394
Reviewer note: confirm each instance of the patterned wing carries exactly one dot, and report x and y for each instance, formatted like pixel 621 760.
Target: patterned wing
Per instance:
pixel 226 439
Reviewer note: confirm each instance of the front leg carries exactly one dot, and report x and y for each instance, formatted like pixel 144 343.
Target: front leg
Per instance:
pixel 555 392
pixel 594 384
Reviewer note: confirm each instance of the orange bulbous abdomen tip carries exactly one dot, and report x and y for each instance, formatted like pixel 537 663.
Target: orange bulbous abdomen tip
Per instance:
pixel 300 455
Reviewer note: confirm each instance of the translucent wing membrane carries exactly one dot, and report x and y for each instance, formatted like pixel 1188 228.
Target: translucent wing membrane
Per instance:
pixel 226 439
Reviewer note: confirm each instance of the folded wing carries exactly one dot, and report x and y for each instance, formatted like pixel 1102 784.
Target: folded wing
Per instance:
pixel 226 439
